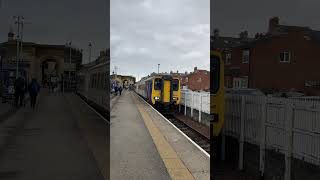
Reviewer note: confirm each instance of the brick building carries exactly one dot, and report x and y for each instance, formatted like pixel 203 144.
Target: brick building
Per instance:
pixel 198 80
pixel 41 61
pixel 282 59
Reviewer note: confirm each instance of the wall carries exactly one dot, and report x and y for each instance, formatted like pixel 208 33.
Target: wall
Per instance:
pixel 267 71
pixel 199 80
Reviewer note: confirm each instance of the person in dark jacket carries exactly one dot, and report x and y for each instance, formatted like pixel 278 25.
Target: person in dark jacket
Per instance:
pixel 34 89
pixel 116 89
pixel 19 91
pixel 120 90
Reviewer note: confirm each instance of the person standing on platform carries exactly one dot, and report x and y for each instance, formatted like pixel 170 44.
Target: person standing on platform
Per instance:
pixel 120 89
pixel 19 91
pixel 34 89
pixel 116 89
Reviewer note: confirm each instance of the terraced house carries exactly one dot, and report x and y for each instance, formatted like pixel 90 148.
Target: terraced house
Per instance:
pixel 285 58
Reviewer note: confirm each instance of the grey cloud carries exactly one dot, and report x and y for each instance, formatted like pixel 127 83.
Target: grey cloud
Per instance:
pixel 232 16
pixel 146 32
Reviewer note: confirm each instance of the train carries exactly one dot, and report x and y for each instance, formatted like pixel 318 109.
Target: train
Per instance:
pixel 163 91
pixel 93 86
pixel 217 101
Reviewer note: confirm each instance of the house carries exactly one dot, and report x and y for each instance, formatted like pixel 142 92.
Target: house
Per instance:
pixel 198 80
pixel 231 47
pixel 284 58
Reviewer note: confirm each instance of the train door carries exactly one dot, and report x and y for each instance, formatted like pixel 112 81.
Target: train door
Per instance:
pixel 148 90
pixel 166 90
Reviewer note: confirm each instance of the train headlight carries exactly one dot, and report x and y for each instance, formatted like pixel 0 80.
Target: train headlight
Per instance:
pixel 174 98
pixel 157 98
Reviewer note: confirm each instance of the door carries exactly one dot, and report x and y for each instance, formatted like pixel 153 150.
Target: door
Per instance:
pixel 166 91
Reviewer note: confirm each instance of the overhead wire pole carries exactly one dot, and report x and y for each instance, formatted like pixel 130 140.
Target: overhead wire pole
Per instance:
pixel 70 65
pixel 21 39
pixel 18 19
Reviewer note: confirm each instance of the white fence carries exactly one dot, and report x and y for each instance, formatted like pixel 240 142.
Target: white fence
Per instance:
pixel 289 126
pixel 195 100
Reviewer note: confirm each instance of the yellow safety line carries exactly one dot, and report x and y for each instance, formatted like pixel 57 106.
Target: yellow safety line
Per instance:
pixel 173 163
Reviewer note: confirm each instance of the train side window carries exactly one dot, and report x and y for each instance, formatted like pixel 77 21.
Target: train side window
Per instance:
pixel 157 84
pixel 215 74
pixel 175 84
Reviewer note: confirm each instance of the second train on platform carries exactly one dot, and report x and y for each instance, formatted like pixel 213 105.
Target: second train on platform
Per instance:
pixel 160 90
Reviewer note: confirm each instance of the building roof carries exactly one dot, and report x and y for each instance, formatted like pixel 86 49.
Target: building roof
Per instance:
pixel 228 42
pixel 36 45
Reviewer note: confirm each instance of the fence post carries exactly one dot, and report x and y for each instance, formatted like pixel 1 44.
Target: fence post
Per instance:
pixel 289 126
pixel 241 139
pixel 185 103
pixel 200 106
pixel 262 136
pixel 192 103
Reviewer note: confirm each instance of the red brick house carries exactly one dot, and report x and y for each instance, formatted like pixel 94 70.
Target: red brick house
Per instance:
pixel 231 49
pixel 198 80
pixel 283 59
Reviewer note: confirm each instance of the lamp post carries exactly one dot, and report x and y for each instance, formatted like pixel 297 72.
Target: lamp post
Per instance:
pixel 90 49
pixel 158 68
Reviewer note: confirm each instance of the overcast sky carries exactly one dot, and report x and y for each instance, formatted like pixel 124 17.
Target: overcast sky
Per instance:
pixel 233 16
pixel 58 21
pixel 173 33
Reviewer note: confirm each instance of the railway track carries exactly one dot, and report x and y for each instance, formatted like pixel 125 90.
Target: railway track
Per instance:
pixel 198 138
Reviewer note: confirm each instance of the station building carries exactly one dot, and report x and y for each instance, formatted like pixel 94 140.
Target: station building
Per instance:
pixel 123 80
pixel 41 61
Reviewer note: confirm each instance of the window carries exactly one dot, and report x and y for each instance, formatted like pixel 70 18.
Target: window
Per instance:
pixel 157 84
pixel 285 57
pixel 239 83
pixel 175 84
pixel 245 56
pixel 228 58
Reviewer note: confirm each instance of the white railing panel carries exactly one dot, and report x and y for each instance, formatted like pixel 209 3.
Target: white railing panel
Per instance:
pixel 305 123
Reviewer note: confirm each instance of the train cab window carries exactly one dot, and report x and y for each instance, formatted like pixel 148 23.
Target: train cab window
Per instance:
pixel 215 74
pixel 175 84
pixel 157 84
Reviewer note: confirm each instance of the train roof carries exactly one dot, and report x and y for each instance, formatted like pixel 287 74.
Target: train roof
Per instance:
pixel 158 75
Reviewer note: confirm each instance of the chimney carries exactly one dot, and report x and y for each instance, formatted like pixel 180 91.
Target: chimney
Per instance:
pixel 195 69
pixel 243 35
pixel 215 33
pixel 10 35
pixel 273 24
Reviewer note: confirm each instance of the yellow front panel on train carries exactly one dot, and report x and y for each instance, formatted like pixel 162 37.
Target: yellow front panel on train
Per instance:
pixel 166 91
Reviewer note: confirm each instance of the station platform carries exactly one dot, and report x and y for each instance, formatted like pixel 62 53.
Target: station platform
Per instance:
pixel 62 138
pixel 144 145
